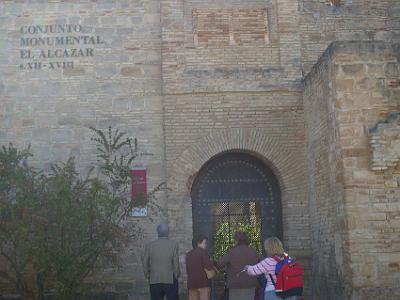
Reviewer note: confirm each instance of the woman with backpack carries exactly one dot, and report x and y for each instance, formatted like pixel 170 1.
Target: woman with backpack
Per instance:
pixel 275 252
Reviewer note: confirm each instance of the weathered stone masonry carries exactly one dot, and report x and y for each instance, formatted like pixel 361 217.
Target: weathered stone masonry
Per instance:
pixel 354 203
pixel 192 79
pixel 119 85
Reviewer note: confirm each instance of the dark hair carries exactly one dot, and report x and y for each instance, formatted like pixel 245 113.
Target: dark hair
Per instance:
pixel 199 239
pixel 241 238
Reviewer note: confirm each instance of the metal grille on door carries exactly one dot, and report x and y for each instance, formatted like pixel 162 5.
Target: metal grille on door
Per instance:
pixel 235 191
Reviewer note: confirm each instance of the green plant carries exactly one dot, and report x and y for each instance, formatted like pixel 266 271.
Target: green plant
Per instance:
pixel 223 238
pixel 82 226
pixel 55 228
pixel 115 154
pixel 19 189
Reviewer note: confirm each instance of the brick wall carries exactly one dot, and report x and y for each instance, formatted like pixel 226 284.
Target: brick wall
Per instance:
pixel 224 27
pixel 227 86
pixel 248 50
pixel 274 153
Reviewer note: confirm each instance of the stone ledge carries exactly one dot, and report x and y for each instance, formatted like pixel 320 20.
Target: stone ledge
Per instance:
pixel 354 48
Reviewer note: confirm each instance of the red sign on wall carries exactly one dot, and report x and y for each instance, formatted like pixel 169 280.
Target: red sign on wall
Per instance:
pixel 139 185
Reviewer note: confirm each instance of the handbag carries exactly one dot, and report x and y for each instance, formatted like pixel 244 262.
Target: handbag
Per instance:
pixel 259 293
pixel 210 273
pixel 262 281
pixel 225 294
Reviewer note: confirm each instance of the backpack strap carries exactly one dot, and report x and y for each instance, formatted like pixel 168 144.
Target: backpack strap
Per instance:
pixel 277 258
pixel 272 279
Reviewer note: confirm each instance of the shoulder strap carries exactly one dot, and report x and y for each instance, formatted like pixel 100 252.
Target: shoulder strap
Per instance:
pixel 277 259
pixel 272 279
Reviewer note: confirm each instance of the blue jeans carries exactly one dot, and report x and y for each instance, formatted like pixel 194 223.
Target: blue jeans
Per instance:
pixel 270 295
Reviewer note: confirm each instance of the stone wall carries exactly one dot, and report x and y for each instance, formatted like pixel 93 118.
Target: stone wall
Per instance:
pixel 384 143
pixel 116 82
pixel 350 20
pixel 355 94
pixel 325 183
pixel 194 78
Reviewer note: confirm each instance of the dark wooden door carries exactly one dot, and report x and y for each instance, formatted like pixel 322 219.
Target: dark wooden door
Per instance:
pixel 235 191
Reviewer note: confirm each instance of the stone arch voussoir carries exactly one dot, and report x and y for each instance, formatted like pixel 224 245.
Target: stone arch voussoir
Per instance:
pixel 256 141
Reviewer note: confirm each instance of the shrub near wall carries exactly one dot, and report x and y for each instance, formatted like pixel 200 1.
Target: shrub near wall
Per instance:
pixel 56 227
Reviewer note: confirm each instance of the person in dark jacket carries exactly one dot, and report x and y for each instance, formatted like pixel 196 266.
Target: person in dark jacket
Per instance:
pixel 196 261
pixel 241 286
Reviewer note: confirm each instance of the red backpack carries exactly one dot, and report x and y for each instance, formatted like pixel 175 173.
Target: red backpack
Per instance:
pixel 289 280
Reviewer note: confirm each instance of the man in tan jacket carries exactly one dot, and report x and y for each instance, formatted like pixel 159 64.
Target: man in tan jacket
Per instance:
pixel 161 266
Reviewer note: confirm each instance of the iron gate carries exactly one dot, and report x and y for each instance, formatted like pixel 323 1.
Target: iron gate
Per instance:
pixel 235 191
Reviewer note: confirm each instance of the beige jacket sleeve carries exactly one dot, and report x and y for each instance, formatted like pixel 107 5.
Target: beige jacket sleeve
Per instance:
pixel 175 261
pixel 146 262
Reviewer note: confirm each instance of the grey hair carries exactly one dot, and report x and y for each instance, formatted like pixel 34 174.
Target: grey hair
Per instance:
pixel 162 230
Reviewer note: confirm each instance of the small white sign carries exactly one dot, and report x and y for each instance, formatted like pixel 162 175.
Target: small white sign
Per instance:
pixel 139 212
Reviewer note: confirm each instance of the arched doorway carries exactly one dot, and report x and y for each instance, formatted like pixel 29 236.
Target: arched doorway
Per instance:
pixel 235 190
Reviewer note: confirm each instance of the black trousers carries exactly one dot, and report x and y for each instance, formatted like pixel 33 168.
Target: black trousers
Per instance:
pixel 160 290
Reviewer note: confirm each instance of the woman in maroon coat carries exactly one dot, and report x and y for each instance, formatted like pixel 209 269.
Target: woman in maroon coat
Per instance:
pixel 197 261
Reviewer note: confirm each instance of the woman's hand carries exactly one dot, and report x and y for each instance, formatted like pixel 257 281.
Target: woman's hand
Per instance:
pixel 244 270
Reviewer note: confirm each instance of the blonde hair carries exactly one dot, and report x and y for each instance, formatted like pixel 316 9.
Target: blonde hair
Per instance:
pixel 273 246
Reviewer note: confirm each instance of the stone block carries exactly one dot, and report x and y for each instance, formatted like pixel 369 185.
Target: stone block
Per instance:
pixel 124 32
pixel 124 286
pixel 344 84
pixel 369 83
pixel 131 71
pixel 69 121
pixel 375 69
pixel 108 20
pixel 106 70
pixel 74 71
pixel 392 69
pixel 152 70
pixel 121 104
pixel 137 104
pixel 41 134
pixel 91 21
pixel 61 136
pixel 354 69
pixel 368 270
